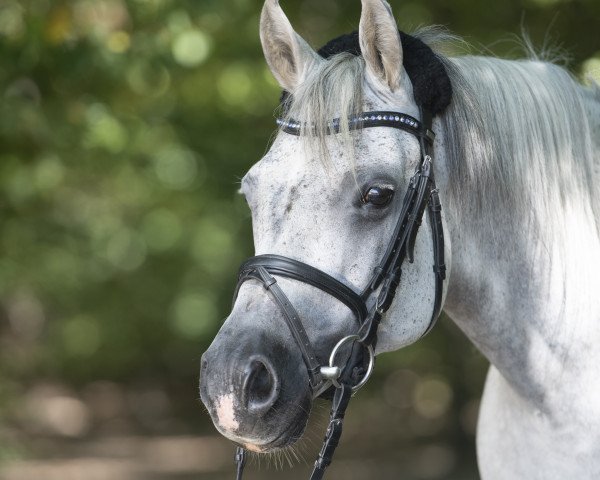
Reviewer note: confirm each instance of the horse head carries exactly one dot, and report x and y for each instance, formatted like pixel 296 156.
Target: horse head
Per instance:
pixel 330 200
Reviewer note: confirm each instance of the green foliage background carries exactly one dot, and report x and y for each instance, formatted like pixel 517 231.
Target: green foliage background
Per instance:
pixel 124 129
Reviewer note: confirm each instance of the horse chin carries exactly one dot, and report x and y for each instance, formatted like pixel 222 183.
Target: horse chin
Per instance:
pixel 288 438
pixel 277 433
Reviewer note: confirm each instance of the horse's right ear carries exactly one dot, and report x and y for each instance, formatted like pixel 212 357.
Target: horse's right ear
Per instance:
pixel 287 54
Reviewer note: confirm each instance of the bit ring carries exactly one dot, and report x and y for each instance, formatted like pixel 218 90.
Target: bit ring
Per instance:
pixel 367 375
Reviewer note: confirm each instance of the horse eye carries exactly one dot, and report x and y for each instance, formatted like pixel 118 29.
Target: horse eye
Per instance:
pixel 378 196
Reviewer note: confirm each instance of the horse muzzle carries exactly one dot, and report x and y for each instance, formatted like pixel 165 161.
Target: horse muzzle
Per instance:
pixel 255 389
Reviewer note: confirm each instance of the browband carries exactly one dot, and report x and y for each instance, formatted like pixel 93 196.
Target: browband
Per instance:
pixel 398 120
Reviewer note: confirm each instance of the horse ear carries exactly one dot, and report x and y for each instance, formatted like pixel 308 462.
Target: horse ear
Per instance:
pixel 287 54
pixel 380 42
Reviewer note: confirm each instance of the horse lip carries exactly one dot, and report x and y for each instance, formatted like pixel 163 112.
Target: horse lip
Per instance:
pixel 289 436
pixel 280 442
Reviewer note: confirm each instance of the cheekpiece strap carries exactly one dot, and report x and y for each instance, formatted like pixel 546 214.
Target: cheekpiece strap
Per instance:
pixel 391 119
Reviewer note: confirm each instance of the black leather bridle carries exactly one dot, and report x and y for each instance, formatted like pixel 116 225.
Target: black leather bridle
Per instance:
pixel 371 304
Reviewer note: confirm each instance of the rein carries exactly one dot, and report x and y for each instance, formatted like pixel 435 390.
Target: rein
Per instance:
pixel 373 302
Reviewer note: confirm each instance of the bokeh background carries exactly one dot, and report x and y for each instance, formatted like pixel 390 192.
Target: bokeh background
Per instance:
pixel 125 127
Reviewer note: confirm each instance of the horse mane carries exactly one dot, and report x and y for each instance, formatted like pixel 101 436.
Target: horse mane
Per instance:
pixel 517 133
pixel 518 139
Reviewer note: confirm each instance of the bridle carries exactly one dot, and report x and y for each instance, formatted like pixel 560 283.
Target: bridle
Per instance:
pixel 373 302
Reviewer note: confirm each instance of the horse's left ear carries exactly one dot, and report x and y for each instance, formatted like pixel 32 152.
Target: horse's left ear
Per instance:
pixel 286 52
pixel 380 42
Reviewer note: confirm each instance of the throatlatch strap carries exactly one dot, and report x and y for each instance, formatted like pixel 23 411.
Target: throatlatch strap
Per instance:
pixel 439 267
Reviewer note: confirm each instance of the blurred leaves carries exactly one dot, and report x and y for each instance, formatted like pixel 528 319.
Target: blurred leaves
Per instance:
pixel 112 220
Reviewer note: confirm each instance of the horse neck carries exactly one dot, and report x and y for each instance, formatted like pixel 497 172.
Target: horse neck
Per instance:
pixel 524 288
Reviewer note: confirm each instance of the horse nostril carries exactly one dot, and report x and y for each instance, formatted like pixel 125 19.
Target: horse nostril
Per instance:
pixel 261 386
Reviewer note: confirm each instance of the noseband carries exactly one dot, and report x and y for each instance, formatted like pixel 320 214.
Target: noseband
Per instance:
pixel 373 302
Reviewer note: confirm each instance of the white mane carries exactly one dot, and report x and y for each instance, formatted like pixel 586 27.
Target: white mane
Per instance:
pixel 524 128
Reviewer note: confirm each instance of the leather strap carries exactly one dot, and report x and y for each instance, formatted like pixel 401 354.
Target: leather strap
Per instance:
pixel 333 434
pixel 439 267
pixel 287 267
pixel 240 460
pixel 419 195
pixel 393 247
pixel 293 321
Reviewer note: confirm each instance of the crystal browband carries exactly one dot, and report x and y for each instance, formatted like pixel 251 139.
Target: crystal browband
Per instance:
pixel 365 120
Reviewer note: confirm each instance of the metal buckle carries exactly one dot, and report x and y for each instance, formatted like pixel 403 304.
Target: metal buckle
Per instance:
pixel 332 372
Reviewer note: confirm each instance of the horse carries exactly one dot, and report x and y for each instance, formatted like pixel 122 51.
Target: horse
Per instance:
pixel 517 167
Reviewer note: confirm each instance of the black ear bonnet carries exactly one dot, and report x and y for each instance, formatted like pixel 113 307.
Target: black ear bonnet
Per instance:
pixel 431 85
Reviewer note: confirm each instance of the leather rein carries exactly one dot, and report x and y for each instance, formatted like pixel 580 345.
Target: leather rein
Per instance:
pixel 373 302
